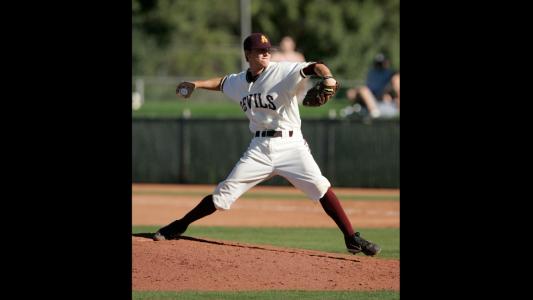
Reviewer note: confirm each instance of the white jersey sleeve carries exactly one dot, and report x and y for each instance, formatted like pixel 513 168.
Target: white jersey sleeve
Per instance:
pixel 294 70
pixel 232 85
pixel 293 73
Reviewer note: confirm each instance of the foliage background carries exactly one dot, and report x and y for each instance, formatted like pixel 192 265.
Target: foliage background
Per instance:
pixel 201 38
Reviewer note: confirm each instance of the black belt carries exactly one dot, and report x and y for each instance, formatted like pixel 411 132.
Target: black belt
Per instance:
pixel 270 133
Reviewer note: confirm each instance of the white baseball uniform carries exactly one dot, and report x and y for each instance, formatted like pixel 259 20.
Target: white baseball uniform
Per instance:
pixel 271 104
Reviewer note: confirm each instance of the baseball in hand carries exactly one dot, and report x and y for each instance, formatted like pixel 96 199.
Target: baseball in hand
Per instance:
pixel 330 81
pixel 184 91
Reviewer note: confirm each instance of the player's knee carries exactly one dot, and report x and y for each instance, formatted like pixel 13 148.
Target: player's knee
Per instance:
pixel 318 189
pixel 322 188
pixel 221 202
pixel 222 197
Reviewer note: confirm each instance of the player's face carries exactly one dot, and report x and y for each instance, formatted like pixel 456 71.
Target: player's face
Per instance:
pixel 259 57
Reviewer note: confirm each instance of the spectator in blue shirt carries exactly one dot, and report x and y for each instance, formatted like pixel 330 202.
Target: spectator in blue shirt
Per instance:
pixel 381 94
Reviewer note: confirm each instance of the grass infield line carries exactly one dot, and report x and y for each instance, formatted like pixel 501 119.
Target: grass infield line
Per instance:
pixel 262 195
pixel 320 239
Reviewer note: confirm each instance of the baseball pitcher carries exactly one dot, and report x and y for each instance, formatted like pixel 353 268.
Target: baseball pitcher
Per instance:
pixel 266 93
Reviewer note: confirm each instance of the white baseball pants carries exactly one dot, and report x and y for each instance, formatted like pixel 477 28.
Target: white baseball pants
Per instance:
pixel 289 157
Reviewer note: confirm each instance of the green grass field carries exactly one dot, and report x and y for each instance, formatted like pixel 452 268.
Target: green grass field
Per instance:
pixel 321 239
pixel 263 295
pixel 222 109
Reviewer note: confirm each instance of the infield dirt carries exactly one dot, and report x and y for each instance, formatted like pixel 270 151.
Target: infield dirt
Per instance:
pixel 214 265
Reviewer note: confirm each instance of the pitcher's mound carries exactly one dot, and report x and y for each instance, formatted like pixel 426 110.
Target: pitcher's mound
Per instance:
pixel 207 265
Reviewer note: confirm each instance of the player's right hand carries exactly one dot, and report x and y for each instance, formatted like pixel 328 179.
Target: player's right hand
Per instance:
pixel 185 89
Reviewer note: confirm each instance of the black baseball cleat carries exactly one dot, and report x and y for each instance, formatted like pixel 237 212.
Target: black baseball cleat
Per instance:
pixel 158 237
pixel 356 244
pixel 170 232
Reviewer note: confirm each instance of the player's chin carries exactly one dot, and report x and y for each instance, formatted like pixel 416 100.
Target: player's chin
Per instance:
pixel 264 61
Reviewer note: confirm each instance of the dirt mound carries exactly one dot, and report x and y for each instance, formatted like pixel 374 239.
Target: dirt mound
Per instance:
pixel 208 265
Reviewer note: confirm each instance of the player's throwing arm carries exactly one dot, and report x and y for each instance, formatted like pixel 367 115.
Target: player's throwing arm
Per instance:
pixel 185 89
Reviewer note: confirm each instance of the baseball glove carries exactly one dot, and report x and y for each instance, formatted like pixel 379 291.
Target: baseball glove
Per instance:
pixel 185 89
pixel 320 94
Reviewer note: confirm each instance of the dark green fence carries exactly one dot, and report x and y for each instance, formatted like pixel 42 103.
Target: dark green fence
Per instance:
pixel 349 153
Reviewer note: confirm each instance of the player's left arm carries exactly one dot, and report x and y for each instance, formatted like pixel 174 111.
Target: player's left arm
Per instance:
pixel 322 91
pixel 322 70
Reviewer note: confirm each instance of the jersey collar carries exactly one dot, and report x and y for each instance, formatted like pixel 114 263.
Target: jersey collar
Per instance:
pixel 251 78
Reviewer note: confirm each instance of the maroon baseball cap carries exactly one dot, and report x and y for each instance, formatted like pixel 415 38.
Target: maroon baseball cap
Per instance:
pixel 256 40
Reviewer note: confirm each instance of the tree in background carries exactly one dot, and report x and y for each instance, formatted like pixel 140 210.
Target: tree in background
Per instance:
pixel 202 37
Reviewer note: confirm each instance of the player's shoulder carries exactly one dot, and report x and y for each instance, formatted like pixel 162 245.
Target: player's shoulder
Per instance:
pixel 286 63
pixel 273 64
pixel 289 65
pixel 236 76
pixel 234 80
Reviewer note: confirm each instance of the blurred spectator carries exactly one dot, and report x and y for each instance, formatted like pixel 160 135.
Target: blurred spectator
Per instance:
pixel 381 94
pixel 396 88
pixel 287 52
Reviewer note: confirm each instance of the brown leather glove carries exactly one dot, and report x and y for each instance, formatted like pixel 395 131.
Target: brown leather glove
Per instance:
pixel 320 94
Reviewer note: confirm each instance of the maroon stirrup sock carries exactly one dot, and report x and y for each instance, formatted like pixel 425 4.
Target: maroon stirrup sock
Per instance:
pixel 333 208
pixel 203 209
